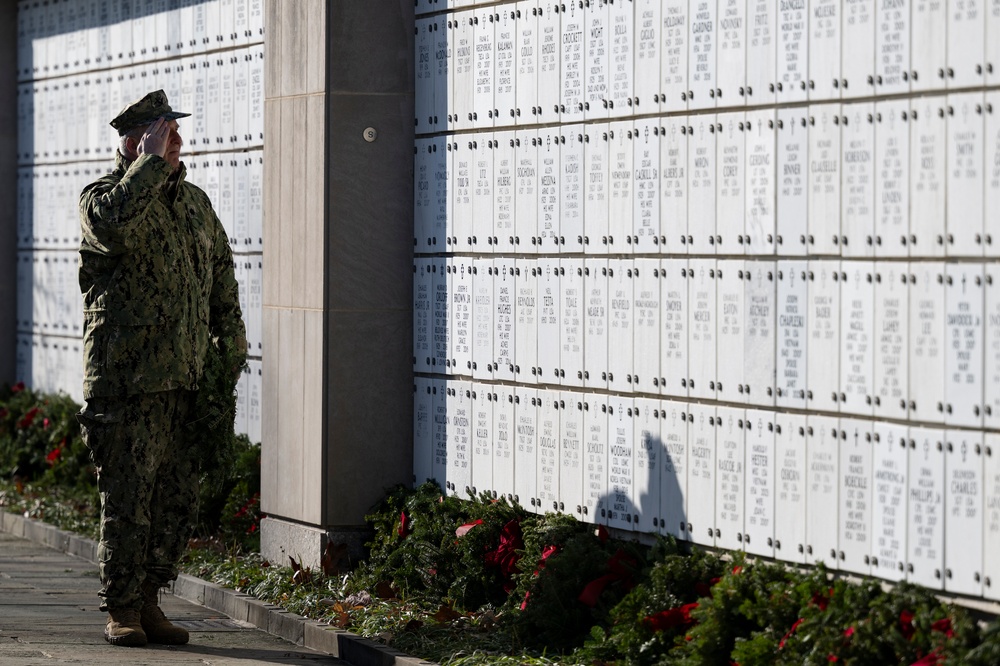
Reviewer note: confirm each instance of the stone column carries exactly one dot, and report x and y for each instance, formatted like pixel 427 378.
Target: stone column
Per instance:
pixel 338 239
pixel 8 194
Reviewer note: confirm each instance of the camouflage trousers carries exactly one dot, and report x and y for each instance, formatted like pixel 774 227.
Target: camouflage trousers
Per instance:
pixel 147 475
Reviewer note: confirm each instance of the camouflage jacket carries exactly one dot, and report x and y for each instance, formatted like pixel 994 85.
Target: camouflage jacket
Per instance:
pixel 157 278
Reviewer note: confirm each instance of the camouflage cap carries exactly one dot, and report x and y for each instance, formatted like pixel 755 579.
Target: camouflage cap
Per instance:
pixel 144 111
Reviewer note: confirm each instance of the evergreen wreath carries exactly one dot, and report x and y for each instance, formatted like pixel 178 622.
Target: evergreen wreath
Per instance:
pixel 214 412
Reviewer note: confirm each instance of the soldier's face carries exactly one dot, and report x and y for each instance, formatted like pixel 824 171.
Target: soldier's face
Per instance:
pixel 174 143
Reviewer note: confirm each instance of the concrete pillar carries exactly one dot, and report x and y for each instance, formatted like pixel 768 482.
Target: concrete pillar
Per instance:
pixel 338 239
pixel 8 194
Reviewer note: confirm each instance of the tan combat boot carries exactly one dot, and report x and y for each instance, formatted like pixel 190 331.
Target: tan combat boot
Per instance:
pixel 156 625
pixel 124 628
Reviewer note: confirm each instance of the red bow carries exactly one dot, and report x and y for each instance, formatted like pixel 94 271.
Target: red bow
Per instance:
pixel 944 626
pixel 906 624
pixel 54 454
pixel 789 633
pixel 464 529
pixel 546 554
pixel 822 600
pixel 404 525
pixel 703 590
pixel 506 556
pixel 674 617
pixel 28 418
pixel 619 565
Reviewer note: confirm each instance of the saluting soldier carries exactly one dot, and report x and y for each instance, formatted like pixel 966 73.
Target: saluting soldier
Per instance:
pixel 158 286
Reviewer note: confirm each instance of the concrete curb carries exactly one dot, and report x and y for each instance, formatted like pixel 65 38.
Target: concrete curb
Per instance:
pixel 352 648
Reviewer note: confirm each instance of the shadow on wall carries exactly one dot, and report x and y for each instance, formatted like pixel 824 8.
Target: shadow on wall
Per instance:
pixel 651 499
pixel 529 447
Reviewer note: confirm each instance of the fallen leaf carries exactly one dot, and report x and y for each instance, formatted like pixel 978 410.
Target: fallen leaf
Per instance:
pixel 385 590
pixel 446 614
pixel 302 576
pixel 413 625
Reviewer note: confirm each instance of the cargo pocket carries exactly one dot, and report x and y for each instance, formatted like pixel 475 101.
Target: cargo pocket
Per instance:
pixel 105 554
pixel 100 422
pixel 95 344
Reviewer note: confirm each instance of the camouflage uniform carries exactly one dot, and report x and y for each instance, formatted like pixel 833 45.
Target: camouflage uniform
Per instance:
pixel 148 481
pixel 157 277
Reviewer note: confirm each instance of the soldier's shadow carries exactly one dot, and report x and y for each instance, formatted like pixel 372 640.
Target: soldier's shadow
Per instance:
pixel 651 499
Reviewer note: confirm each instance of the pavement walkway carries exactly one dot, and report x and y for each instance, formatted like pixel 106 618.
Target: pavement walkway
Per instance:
pixel 48 615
